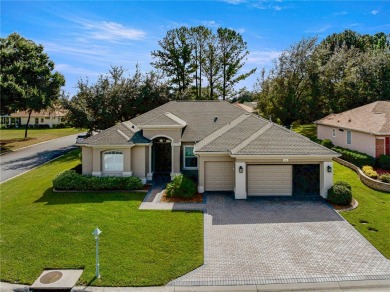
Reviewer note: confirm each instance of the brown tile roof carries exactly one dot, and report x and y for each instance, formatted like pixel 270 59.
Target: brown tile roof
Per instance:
pixel 373 118
pixel 249 109
pixel 34 114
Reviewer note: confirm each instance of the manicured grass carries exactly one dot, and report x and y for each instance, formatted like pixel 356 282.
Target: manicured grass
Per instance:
pixel 373 210
pixel 12 139
pixel 43 229
pixel 309 131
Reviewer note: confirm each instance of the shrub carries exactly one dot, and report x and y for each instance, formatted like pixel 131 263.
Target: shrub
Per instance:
pixel 370 172
pixel 339 195
pixel 327 143
pixel 344 184
pixel 181 186
pixel 385 178
pixel 71 180
pixel 355 157
pixel 384 161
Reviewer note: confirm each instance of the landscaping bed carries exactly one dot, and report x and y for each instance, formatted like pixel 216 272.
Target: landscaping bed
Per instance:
pixel 198 198
pixel 43 229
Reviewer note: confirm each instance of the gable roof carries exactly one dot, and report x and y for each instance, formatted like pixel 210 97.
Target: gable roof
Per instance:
pixel 202 117
pixel 249 109
pixel 43 113
pixel 373 118
pixel 166 119
pixel 256 136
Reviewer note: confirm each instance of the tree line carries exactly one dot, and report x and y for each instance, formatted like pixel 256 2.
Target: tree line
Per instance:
pixel 311 80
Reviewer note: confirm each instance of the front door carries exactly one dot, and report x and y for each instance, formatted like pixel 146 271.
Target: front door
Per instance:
pixel 162 155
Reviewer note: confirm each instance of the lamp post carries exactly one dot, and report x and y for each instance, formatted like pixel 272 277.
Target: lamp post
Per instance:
pixel 96 233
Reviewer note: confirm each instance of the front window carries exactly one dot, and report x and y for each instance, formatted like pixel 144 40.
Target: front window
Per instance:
pixel 190 160
pixel 349 137
pixel 113 161
pixel 334 132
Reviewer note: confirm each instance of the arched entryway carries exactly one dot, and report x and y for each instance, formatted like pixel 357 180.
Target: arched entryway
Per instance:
pixel 162 155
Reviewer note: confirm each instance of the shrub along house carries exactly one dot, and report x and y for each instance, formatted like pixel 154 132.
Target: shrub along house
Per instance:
pixel 223 146
pixel 365 129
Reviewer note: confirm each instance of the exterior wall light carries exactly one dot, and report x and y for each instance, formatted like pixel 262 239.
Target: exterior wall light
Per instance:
pixel 329 168
pixel 240 169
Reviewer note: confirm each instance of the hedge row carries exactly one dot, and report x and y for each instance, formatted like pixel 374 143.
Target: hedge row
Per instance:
pixel 355 157
pixel 71 180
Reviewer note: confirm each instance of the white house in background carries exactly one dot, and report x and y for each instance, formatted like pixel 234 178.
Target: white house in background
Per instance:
pixel 221 145
pixel 365 129
pixel 48 117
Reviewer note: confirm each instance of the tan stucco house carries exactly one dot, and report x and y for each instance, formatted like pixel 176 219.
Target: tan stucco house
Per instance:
pixel 224 147
pixel 365 129
pixel 50 117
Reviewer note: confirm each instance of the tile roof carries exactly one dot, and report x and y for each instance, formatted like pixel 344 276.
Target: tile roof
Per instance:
pixel 249 109
pixel 43 113
pixel 373 118
pixel 120 134
pixel 166 119
pixel 202 117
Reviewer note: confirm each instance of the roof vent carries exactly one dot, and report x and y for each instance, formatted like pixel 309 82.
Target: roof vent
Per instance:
pixel 132 126
pixel 215 119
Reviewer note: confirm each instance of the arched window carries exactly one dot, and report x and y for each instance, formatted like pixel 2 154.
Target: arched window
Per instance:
pixel 113 161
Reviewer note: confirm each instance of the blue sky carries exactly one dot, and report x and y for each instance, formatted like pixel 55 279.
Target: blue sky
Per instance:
pixel 84 38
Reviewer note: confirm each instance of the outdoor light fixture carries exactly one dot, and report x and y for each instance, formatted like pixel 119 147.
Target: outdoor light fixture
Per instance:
pixel 96 233
pixel 329 168
pixel 240 169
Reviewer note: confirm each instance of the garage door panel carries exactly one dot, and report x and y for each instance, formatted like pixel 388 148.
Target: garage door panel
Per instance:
pixel 269 180
pixel 219 176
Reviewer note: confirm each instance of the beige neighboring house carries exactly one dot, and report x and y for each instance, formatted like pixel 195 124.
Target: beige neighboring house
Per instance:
pixel 48 117
pixel 224 147
pixel 365 129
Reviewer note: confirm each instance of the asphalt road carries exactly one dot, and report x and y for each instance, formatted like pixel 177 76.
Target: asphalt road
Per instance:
pixel 20 161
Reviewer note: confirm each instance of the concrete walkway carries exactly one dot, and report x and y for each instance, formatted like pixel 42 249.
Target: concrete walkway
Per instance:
pixel 350 286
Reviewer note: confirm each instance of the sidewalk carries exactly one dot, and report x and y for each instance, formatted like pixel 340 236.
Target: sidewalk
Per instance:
pixel 350 286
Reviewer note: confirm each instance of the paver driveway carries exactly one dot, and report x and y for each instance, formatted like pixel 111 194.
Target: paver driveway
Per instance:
pixel 260 241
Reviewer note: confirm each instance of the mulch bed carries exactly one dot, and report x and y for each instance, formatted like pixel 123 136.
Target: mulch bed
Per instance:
pixel 198 198
pixel 146 187
pixel 351 206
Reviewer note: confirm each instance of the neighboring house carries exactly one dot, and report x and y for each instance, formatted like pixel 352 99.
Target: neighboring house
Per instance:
pixel 223 146
pixel 365 129
pixel 48 117
pixel 251 104
pixel 249 109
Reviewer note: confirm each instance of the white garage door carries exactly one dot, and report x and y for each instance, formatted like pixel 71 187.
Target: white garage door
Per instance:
pixel 269 180
pixel 219 176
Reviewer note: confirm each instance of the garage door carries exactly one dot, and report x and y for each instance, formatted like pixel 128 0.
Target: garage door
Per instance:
pixel 219 176
pixel 269 180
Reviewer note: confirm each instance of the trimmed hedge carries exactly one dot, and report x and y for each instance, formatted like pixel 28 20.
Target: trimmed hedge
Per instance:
pixel 384 161
pixel 355 157
pixel 71 180
pixel 181 186
pixel 327 143
pixel 340 193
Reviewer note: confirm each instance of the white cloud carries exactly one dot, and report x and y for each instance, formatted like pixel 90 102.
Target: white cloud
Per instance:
pixel 69 69
pixel 262 57
pixel 234 2
pixel 210 23
pixel 374 12
pixel 277 8
pixel 340 13
pixel 112 31
pixel 318 29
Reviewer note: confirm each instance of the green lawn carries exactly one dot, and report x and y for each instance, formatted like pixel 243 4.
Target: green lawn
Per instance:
pixel 373 210
pixel 12 139
pixel 309 131
pixel 42 229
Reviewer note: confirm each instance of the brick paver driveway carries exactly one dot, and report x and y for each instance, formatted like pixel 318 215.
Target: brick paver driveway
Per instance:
pixel 260 241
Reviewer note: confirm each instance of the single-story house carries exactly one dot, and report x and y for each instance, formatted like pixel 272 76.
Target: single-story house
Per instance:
pixel 223 146
pixel 48 117
pixel 365 129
